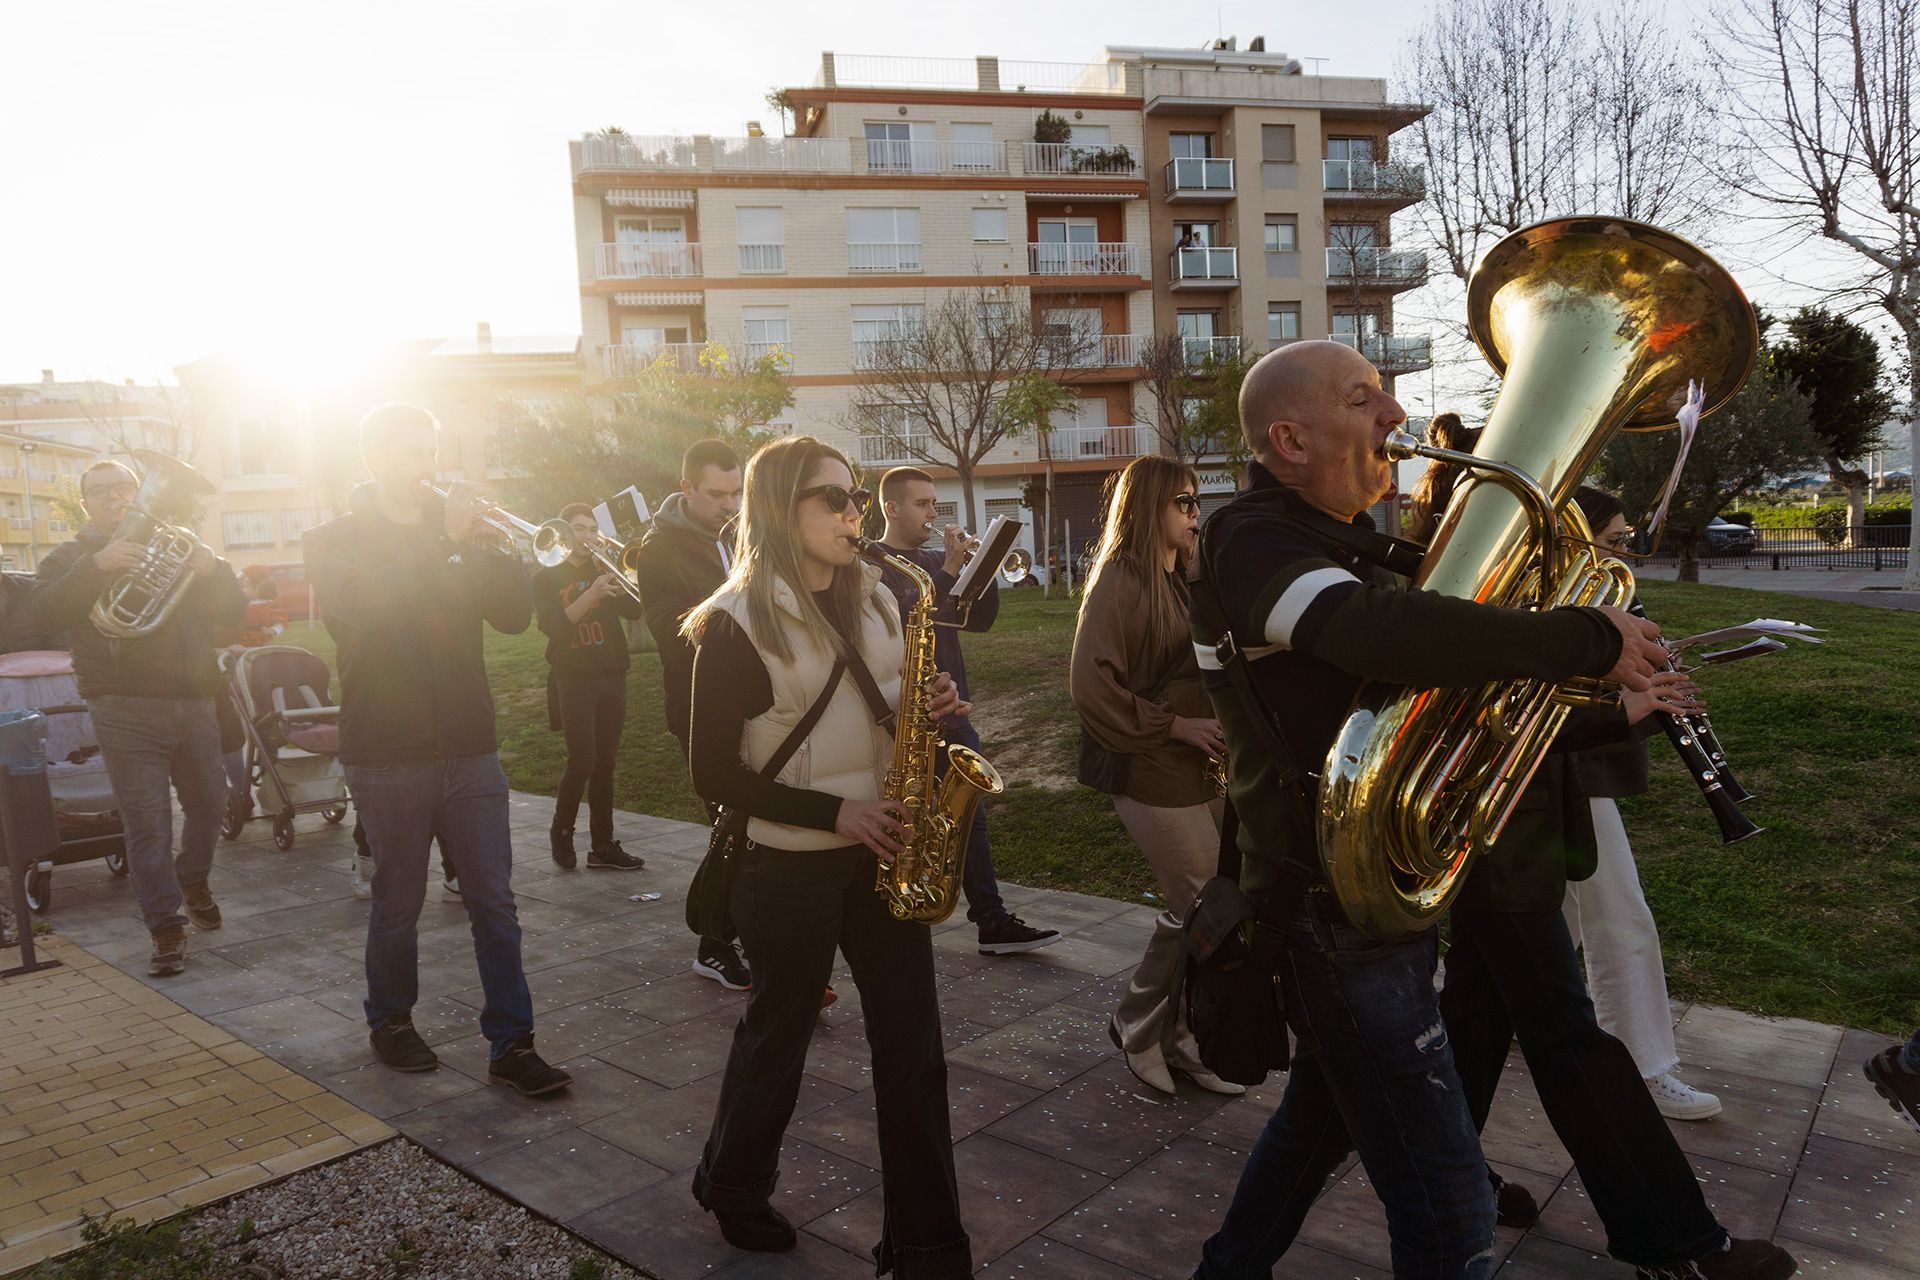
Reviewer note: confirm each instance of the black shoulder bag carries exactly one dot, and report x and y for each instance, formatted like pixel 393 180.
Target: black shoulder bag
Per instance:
pixel 709 897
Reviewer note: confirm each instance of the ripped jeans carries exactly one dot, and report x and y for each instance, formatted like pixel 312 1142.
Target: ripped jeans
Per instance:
pixel 1372 1071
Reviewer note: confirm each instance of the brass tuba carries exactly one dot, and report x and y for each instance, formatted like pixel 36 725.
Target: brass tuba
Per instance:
pixel 922 881
pixel 1596 325
pixel 139 601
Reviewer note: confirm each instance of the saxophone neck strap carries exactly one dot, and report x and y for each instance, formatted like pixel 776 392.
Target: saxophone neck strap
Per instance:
pixel 877 707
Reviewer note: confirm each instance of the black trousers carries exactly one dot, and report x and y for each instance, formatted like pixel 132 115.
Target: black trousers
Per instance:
pixel 1514 974
pixel 593 711
pixel 793 908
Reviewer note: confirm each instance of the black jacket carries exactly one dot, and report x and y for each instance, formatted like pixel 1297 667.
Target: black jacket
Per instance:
pixel 678 567
pixel 405 605
pixel 174 662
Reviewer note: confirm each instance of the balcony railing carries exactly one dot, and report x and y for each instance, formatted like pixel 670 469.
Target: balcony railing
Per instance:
pixel 1104 258
pixel 1096 351
pixel 19 522
pixel 1390 352
pixel 1365 178
pixel 757 351
pixel 647 261
pixel 762 259
pixel 642 153
pixel 1079 160
pixel 1072 444
pixel 1206 265
pixel 900 155
pixel 1368 265
pixel 1198 175
pixel 1199 350
pixel 871 352
pixel 871 71
pixel 884 255
pixel 789 155
pixel 630 359
pixel 637 151
pixel 892 451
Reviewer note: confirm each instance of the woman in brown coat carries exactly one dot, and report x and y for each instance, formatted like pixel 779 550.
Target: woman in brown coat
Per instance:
pixel 1147 735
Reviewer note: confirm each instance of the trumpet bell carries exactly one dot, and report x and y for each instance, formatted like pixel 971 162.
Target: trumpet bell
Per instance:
pixel 553 542
pixel 1015 567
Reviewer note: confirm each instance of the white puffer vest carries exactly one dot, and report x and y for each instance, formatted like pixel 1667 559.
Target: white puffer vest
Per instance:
pixel 847 754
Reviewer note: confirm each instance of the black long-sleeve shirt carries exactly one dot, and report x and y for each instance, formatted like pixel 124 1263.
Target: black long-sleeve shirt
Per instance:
pixel 406 606
pixel 730 687
pixel 946 640
pixel 596 642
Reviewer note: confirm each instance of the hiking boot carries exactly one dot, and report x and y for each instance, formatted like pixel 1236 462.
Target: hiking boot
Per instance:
pixel 1900 1087
pixel 765 1230
pixel 563 854
pixel 362 876
pixel 169 953
pixel 1514 1205
pixel 1013 935
pixel 201 908
pixel 1678 1100
pixel 612 857
pixel 1740 1260
pixel 400 1046
pixel 721 962
pixel 526 1070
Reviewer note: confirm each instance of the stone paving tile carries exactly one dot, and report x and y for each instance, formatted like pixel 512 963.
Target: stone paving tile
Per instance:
pixel 1105 1120
pixel 1350 1223
pixel 674 1055
pixel 1857 1201
pixel 1783 1049
pixel 1763 1124
pixel 1159 1213
pixel 1538 1258
pixel 1043 1049
pixel 1851 1111
pixel 567 1173
pixel 1040 1256
pixel 1747 1202
pixel 479 1125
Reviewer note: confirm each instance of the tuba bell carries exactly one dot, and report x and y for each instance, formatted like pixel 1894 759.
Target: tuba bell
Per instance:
pixel 140 600
pixel 1595 325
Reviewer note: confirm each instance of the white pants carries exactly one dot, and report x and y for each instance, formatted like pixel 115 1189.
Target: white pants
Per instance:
pixel 1608 915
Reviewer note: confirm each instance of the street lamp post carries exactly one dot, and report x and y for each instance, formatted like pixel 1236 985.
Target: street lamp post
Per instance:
pixel 33 533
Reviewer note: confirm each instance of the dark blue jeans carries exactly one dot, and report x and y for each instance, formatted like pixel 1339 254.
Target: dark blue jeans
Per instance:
pixel 1372 1070
pixel 984 906
pixel 1513 974
pixel 464 800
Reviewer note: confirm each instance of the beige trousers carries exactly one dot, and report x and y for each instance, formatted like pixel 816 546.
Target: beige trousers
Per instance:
pixel 1183 848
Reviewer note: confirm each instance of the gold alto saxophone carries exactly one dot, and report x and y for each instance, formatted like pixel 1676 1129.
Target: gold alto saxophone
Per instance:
pixel 922 882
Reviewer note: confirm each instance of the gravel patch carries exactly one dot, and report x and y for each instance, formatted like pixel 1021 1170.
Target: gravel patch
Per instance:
pixel 391 1211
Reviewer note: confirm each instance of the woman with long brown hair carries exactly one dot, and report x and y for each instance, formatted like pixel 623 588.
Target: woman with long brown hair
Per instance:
pixel 767 668
pixel 1434 489
pixel 1147 735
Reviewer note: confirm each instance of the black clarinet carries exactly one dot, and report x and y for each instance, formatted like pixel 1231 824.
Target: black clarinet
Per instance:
pixel 1699 750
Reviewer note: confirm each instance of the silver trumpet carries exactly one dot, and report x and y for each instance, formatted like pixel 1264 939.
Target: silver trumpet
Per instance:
pixel 546 544
pixel 1014 566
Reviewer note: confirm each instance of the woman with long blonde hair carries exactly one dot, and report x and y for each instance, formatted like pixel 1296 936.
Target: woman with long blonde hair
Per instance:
pixel 770 645
pixel 1147 735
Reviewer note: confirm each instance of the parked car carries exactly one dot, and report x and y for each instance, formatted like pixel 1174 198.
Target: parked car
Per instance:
pixel 1724 538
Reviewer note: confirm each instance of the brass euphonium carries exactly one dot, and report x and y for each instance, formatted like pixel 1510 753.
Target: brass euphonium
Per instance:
pixel 1596 325
pixel 923 880
pixel 139 601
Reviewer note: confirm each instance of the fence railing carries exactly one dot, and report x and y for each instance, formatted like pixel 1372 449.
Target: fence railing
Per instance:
pixel 885 451
pixel 762 259
pixel 901 155
pixel 1392 352
pixel 1873 546
pixel 1377 265
pixel 1068 444
pixel 1199 174
pixel 883 255
pixel 791 155
pixel 629 359
pixel 647 261
pixel 1079 159
pixel 1198 350
pixel 1206 263
pixel 1365 178
pixel 1102 258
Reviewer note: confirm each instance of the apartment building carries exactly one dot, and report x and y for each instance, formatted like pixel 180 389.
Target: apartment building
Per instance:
pixel 1184 196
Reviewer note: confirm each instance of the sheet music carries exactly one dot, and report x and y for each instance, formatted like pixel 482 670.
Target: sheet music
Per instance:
pixel 994 545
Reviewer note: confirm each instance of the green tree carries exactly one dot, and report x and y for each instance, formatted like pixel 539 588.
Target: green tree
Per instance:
pixel 1763 432
pixel 782 101
pixel 1210 423
pixel 1031 398
pixel 1836 364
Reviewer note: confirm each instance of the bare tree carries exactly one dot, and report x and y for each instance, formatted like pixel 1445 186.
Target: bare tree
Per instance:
pixel 935 389
pixel 1821 96
pixel 1163 362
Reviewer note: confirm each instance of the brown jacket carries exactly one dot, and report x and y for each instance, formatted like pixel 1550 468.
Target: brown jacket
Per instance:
pixel 1128 692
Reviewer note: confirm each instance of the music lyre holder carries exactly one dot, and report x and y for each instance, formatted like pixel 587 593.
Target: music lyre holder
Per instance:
pixel 979 572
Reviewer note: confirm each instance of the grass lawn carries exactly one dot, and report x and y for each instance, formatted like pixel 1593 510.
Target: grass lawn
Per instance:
pixel 1817 918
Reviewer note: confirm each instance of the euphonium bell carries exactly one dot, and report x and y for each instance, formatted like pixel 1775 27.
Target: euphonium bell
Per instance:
pixel 139 601
pixel 1596 325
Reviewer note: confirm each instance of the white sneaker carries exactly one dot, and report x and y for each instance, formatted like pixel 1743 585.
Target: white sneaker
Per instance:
pixel 362 876
pixel 1679 1100
pixel 1209 1081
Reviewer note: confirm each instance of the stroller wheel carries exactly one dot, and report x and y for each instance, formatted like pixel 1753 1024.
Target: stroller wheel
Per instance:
pixel 283 833
pixel 336 815
pixel 117 863
pixel 234 822
pixel 39 890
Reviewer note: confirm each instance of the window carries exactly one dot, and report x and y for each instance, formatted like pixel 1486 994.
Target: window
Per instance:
pixel 1283 322
pixel 763 237
pixel 1283 233
pixel 247 530
pixel 1066 245
pixel 995 316
pixel 1091 135
pixel 251 455
pixel 888 437
pixel 1352 248
pixel 883 239
pixel 1184 146
pixel 946 513
pixel 295 521
pixel 900 146
pixel 655 230
pixel 766 330
pixel 973 147
pixel 1276 143
pixel 989 226
pixel 876 325
pixel 1349 163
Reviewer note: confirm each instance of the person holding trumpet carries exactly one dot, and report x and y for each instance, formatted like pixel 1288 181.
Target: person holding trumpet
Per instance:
pixel 908 501
pixel 408 580
pixel 578 604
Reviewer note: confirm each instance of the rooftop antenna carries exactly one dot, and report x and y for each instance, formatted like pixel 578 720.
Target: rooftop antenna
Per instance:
pixel 1316 69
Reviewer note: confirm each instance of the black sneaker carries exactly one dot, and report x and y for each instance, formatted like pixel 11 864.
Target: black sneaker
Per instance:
pixel 1013 935
pixel 1514 1205
pixel 1740 1260
pixel 201 908
pixel 526 1070
pixel 563 855
pixel 1900 1087
pixel 721 962
pixel 763 1231
pixel 169 953
pixel 400 1046
pixel 612 857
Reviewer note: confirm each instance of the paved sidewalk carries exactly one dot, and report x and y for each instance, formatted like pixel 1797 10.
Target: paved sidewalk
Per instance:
pixel 114 1099
pixel 1067 1168
pixel 1847 586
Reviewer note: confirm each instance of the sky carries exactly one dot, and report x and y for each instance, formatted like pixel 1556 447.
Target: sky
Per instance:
pixel 198 176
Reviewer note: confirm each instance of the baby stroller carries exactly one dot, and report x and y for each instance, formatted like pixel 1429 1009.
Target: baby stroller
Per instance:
pixel 284 696
pixel 83 803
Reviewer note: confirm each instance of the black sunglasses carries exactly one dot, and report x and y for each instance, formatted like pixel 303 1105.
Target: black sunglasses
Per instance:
pixel 837 496
pixel 1187 503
